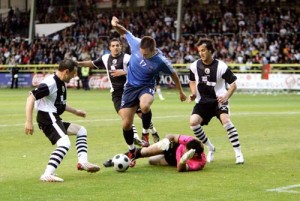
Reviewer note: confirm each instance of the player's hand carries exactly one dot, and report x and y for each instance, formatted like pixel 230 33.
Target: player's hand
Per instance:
pixel 182 96
pixel 80 113
pixel 187 155
pixel 29 128
pixel 117 73
pixel 114 21
pixel 223 99
pixel 192 97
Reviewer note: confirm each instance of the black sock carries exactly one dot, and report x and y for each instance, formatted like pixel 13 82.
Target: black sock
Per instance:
pixel 138 153
pixel 146 119
pixel 128 136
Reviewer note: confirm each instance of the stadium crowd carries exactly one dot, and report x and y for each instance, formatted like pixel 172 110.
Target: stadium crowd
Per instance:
pixel 256 33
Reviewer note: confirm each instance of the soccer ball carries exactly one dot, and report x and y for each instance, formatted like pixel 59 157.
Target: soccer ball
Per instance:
pixel 121 162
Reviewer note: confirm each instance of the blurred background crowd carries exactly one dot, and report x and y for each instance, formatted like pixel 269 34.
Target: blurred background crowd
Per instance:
pixel 244 31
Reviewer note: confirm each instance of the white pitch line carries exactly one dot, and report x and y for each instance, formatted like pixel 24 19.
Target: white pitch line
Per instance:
pixel 285 189
pixel 176 116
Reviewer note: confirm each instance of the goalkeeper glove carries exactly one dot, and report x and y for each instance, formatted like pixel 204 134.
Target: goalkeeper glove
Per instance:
pixel 187 155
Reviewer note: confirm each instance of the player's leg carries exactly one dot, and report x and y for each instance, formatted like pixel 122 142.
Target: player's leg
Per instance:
pixel 127 115
pixel 158 89
pixel 154 132
pixel 146 101
pixel 152 129
pixel 158 160
pixel 82 148
pixel 195 125
pixel 159 93
pixel 56 133
pixel 233 137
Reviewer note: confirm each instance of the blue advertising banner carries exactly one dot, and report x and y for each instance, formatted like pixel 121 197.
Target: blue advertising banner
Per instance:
pixel 25 80
pixel 96 81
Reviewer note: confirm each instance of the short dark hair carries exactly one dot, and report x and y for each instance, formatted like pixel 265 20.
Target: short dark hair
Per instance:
pixel 195 144
pixel 114 40
pixel 67 64
pixel 148 42
pixel 209 43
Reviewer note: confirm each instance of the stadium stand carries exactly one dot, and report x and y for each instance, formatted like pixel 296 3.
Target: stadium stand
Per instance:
pixel 258 33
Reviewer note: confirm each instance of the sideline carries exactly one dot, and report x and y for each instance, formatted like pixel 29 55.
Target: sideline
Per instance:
pixel 169 117
pixel 285 189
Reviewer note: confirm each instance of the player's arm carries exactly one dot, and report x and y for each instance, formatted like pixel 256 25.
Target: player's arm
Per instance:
pixel 28 110
pixel 75 111
pixel 230 78
pixel 118 73
pixel 175 78
pixel 85 64
pixel 193 90
pixel 119 28
pixel 182 166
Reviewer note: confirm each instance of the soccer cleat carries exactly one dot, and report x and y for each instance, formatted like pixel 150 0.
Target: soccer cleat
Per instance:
pixel 239 159
pixel 131 156
pixel 89 167
pixel 155 137
pixel 50 178
pixel 140 142
pixel 108 163
pixel 210 156
pixel 145 138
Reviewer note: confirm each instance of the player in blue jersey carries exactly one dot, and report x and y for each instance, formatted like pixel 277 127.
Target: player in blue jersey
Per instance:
pixel 146 62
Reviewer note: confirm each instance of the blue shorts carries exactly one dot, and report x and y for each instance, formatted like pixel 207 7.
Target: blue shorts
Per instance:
pixel 131 95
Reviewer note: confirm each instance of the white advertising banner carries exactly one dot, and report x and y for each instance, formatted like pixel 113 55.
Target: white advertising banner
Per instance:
pixel 275 81
pixel 244 81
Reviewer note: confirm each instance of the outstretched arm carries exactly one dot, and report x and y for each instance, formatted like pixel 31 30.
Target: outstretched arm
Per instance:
pixel 85 63
pixel 75 111
pixel 119 28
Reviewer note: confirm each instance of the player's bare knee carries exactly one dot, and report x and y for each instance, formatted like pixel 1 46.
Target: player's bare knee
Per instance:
pixel 145 109
pixel 64 141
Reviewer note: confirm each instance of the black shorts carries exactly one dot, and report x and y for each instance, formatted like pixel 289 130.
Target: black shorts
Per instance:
pixel 208 111
pixel 116 98
pixel 170 155
pixel 131 95
pixel 52 126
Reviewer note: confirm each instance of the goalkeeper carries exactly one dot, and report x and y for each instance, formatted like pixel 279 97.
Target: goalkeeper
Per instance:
pixel 184 152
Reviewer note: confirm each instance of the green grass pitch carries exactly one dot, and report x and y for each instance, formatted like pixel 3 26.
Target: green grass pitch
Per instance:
pixel 268 126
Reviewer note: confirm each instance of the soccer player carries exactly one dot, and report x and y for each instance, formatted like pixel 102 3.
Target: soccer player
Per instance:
pixel 184 152
pixel 158 89
pixel 209 78
pixel 49 99
pixel 116 64
pixel 145 63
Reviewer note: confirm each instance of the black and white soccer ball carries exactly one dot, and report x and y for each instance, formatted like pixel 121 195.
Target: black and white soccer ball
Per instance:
pixel 121 162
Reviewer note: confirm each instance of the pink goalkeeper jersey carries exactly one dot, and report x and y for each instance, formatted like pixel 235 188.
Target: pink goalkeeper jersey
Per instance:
pixel 195 163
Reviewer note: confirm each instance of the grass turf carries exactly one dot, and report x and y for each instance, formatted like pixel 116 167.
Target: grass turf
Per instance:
pixel 269 131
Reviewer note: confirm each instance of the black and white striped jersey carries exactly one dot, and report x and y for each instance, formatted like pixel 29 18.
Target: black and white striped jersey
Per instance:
pixel 114 63
pixel 51 95
pixel 211 80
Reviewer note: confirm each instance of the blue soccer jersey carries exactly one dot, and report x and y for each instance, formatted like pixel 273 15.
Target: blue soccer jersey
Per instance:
pixel 143 72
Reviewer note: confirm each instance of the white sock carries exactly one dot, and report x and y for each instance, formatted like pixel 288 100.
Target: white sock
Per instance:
pixel 237 151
